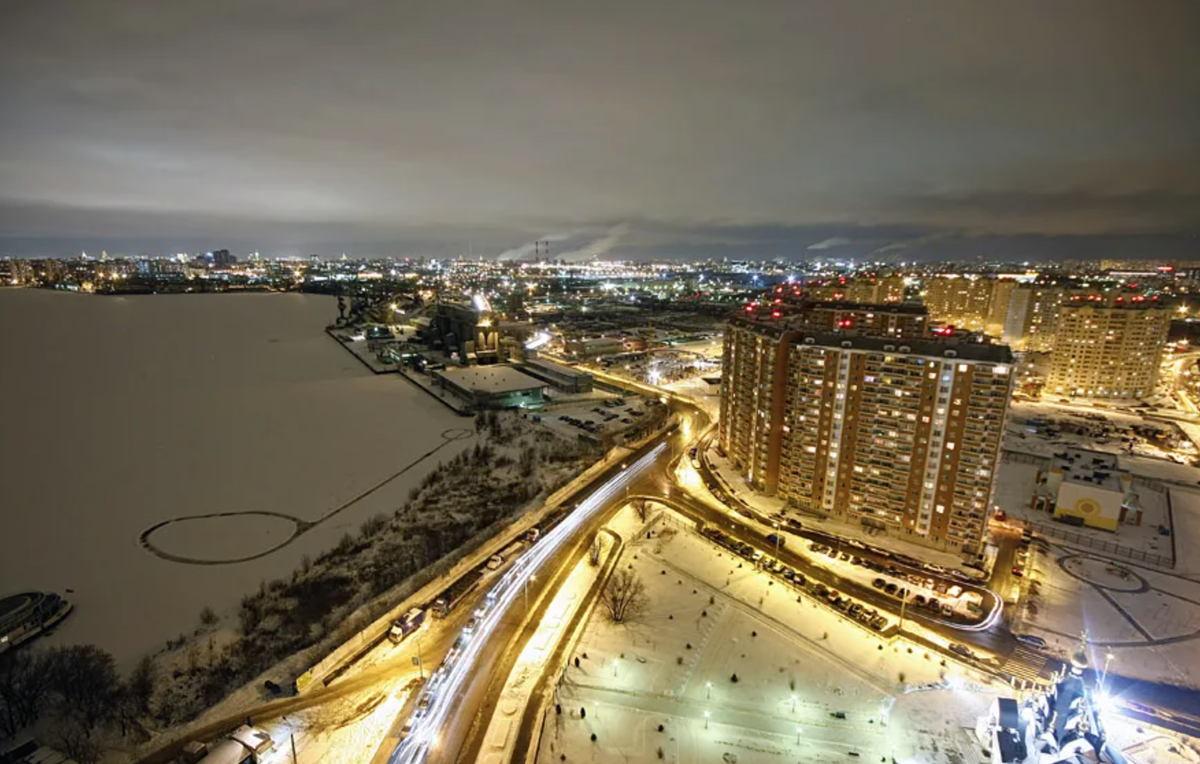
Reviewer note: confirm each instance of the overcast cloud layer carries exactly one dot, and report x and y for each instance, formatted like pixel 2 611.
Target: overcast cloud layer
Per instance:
pixel 785 128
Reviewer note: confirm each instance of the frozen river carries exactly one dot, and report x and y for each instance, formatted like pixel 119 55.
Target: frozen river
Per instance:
pixel 120 413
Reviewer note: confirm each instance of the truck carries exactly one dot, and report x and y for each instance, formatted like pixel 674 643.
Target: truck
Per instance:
pixel 509 552
pixel 454 594
pixel 405 625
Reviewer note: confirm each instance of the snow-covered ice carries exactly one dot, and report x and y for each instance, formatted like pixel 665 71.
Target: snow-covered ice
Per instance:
pixel 123 412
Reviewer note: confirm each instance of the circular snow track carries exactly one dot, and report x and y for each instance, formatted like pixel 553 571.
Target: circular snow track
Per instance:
pixel 222 538
pixel 1105 574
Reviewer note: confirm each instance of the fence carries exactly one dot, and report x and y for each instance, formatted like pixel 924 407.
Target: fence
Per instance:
pixel 1150 483
pixel 1108 547
pixel 1020 457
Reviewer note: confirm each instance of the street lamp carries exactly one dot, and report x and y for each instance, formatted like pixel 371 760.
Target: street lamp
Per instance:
pixel 778 538
pixel 798 731
pixel 707 714
pixel 614 667
pixel 793 704
pixel 707 690
pixel 292 737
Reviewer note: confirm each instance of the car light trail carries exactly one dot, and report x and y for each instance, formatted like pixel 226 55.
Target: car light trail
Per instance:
pixel 446 683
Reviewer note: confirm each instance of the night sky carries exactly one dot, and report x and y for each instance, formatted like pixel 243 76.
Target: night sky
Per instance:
pixel 620 127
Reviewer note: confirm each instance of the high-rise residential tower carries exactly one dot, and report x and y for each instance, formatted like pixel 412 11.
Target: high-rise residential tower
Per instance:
pixel 1108 349
pixel 901 435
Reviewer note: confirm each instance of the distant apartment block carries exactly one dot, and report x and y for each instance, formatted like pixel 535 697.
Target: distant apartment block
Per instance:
pixel 896 320
pixel 972 301
pixel 1032 317
pixel 865 289
pixel 1108 350
pixel 900 435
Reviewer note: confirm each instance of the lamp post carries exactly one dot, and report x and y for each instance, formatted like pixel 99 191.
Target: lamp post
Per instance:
pixel 708 690
pixel 614 668
pixel 798 731
pixel 793 704
pixel 291 737
pixel 707 714
pixel 1108 656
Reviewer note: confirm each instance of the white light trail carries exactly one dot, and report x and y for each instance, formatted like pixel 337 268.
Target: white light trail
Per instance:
pixel 538 340
pixel 446 683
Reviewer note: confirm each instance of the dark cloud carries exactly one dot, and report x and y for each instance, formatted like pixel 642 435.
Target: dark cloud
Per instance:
pixel 626 127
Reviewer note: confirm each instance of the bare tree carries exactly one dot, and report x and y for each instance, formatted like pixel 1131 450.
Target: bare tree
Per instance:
pixel 642 508
pixel 85 679
pixel 624 596
pixel 76 742
pixel 595 550
pixel 24 684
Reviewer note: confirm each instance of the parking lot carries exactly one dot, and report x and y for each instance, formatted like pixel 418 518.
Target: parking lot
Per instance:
pixel 598 418
pixel 850 608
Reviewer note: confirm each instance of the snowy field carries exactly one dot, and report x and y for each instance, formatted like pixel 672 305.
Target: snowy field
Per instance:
pixel 711 617
pixel 1148 620
pixel 1147 460
pixel 1015 484
pixel 124 412
pixel 706 396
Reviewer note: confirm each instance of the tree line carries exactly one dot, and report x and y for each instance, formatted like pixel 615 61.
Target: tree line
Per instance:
pixel 80 688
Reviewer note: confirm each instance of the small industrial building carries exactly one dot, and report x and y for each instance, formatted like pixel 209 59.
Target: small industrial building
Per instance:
pixel 594 346
pixel 498 386
pixel 1088 488
pixel 560 377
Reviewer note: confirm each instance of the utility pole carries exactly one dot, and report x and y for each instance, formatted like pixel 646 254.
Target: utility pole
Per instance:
pixel 420 660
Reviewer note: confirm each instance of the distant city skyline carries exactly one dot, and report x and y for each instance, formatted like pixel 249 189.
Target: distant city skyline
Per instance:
pixel 921 131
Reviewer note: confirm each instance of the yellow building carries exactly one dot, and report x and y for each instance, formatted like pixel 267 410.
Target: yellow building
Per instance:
pixel 1087 488
pixel 1108 350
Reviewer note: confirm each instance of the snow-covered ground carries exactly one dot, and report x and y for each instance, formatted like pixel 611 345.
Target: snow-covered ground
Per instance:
pixel 1015 484
pixel 123 412
pixel 710 617
pixel 1148 620
pixel 1185 516
pixel 1147 459
pixel 706 396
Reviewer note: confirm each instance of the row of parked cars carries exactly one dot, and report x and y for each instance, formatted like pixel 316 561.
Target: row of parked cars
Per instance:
pixel 933 604
pixel 866 616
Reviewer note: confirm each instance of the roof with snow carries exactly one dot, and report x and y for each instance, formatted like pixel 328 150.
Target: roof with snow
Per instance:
pixel 493 379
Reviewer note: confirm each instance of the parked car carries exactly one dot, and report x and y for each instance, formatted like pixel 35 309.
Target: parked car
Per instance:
pixel 1031 640
pixel 879 583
